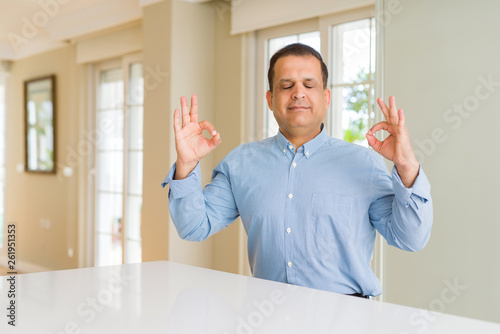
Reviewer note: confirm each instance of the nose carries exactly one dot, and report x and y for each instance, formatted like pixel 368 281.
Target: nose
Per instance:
pixel 299 92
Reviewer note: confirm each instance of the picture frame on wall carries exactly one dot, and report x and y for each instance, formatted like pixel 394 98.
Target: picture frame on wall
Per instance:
pixel 40 125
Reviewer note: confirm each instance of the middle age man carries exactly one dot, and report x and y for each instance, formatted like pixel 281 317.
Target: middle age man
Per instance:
pixel 310 204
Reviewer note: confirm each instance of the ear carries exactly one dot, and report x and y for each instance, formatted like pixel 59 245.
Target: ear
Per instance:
pixel 269 98
pixel 328 97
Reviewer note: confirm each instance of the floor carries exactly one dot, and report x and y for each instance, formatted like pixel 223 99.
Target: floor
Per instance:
pixel 4 270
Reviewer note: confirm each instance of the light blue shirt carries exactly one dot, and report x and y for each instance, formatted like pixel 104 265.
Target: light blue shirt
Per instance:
pixel 311 217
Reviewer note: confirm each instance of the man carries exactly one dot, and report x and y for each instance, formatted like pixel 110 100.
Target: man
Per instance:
pixel 310 204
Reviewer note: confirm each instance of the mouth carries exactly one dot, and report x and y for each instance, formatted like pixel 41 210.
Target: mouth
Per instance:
pixel 298 108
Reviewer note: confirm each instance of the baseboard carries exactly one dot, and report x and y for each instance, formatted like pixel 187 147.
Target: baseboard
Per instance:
pixel 23 267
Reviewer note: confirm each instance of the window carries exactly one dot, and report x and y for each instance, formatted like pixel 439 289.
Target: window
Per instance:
pixel 274 44
pixel 268 42
pixel 347 44
pixel 352 84
pixel 118 162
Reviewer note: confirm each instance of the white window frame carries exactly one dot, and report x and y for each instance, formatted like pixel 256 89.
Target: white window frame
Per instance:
pixel 253 107
pixel 334 120
pixel 262 49
pixel 124 63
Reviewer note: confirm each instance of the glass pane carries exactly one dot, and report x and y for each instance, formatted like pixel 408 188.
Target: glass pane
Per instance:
pixel 275 44
pixel 353 62
pixel 272 127
pixel 373 53
pixel 109 213
pixel 110 162
pixel 33 158
pixel 135 173
pixel 133 225
pixel 110 93
pixel 135 128
pixel 136 85
pixel 355 104
pixel 312 39
pixel 108 250
pixel 110 171
pixel 352 52
pixel 133 253
pixel 39 125
pixel 109 133
pixel 133 245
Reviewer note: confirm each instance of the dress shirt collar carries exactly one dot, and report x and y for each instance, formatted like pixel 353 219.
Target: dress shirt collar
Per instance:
pixel 309 148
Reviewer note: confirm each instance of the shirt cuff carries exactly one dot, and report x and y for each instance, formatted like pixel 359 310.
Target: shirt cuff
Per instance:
pixel 184 187
pixel 421 187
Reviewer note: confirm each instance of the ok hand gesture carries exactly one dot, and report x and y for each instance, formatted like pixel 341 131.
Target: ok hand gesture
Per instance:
pixel 190 143
pixel 396 147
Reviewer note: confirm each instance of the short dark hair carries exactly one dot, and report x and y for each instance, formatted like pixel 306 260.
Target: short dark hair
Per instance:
pixel 296 49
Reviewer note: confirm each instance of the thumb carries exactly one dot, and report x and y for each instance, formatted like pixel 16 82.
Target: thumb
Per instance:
pixel 215 141
pixel 373 142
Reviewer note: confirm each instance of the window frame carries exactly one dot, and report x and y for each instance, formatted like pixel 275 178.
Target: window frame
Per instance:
pixel 263 36
pixel 253 109
pixel 326 24
pixel 123 63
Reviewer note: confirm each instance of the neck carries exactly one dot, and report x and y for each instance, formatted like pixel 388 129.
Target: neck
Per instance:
pixel 299 139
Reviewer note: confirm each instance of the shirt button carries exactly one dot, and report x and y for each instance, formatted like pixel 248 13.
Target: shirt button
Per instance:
pixel 284 150
pixel 307 153
pixel 289 230
pixel 294 164
pixel 290 147
pixel 290 196
pixel 289 263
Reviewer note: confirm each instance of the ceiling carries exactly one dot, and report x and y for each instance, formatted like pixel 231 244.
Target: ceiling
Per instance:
pixel 29 27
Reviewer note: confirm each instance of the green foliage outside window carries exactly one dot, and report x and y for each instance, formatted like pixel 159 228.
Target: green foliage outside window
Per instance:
pixel 357 99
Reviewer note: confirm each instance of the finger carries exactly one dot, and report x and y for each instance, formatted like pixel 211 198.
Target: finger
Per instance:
pixel 377 127
pixel 216 140
pixel 401 117
pixel 185 111
pixel 374 142
pixel 177 121
pixel 383 107
pixel 393 111
pixel 206 125
pixel 194 109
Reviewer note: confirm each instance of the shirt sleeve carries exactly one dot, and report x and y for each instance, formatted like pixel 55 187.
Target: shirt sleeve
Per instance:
pixel 403 216
pixel 196 213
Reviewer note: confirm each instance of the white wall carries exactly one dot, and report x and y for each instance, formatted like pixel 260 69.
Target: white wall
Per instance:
pixel 227 117
pixel 436 53
pixel 32 197
pixel 178 40
pixel 192 63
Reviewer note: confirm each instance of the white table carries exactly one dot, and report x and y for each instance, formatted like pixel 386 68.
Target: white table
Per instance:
pixel 166 297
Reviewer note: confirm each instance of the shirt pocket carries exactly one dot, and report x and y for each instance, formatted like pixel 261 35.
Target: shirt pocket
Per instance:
pixel 331 216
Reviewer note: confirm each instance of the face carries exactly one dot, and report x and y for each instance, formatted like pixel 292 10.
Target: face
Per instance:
pixel 298 100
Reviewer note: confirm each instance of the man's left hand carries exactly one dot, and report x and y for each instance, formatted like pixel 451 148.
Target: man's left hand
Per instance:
pixel 396 147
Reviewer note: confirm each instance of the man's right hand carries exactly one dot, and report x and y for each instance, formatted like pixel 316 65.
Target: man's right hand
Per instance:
pixel 190 143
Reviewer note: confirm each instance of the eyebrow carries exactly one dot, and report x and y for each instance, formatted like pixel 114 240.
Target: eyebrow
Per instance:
pixel 306 79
